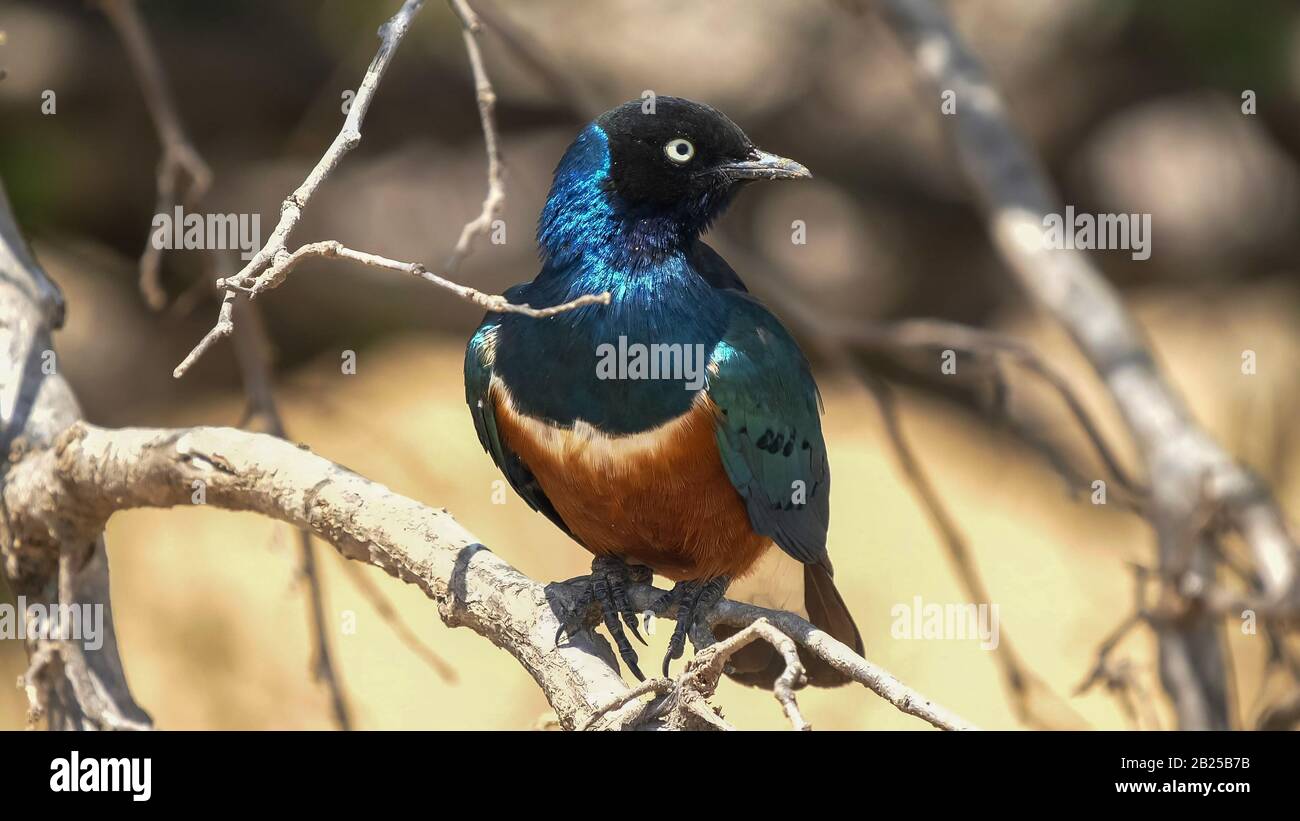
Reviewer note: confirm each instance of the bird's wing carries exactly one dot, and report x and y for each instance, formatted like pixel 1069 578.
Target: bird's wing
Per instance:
pixel 479 357
pixel 769 430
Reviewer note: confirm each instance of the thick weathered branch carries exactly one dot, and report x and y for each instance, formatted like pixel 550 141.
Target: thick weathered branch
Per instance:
pixel 71 687
pixel 253 352
pixel 90 473
pixel 181 159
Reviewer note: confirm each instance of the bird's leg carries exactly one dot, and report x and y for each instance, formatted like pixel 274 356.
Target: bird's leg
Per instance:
pixel 606 588
pixel 692 600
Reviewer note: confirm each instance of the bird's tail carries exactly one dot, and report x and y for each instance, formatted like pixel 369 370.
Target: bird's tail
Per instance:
pixel 783 583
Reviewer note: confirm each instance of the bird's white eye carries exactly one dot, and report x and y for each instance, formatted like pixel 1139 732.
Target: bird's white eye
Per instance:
pixel 679 150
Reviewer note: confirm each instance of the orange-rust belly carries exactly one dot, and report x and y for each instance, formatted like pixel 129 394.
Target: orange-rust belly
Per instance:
pixel 660 498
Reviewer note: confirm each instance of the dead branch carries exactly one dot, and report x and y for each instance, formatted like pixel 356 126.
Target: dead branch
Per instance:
pixel 70 687
pixel 1188 471
pixel 982 344
pixel 487 98
pixel 271 264
pixel 88 473
pixel 252 350
pixel 371 592
pixel 683 703
pixel 180 157
pixel 564 87
pixel 183 176
pixel 1033 701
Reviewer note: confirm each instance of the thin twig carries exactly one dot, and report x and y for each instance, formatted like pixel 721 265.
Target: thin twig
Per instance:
pixel 712 662
pixel 657 686
pixel 1023 683
pixel 831 340
pixel 565 89
pixel 252 350
pixel 1188 470
pixel 491 302
pixel 496 193
pixel 977 342
pixel 684 701
pixel 181 163
pixel 825 647
pixel 270 265
pixel 393 619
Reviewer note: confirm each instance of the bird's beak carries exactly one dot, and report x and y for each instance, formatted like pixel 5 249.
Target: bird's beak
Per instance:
pixel 760 165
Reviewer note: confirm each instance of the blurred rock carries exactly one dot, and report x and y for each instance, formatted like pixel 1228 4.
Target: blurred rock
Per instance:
pixel 738 59
pixel 117 355
pixel 1016 38
pixel 849 261
pixel 1214 181
pixel 39 51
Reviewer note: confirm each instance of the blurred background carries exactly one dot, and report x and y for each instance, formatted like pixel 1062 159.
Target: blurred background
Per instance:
pixel 1134 105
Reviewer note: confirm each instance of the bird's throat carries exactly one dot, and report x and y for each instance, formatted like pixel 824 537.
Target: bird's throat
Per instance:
pixel 585 224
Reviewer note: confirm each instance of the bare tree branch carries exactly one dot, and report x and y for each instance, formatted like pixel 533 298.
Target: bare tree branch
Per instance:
pixel 393 619
pixel 1033 701
pixel 683 704
pixel 181 164
pixel 89 473
pixel 70 687
pixel 252 350
pixel 272 263
pixel 1188 471
pixel 565 88
pixel 490 302
pixel 487 98
pixel 977 342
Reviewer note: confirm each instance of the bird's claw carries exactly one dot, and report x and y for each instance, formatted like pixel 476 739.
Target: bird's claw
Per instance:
pixel 606 588
pixel 691 601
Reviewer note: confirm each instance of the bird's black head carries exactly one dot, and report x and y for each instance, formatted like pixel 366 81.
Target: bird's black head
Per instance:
pixel 648 177
pixel 667 151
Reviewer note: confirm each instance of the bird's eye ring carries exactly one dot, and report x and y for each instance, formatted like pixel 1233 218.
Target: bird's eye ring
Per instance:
pixel 679 150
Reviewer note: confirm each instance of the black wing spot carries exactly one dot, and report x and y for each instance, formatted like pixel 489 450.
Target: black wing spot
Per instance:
pixel 764 441
pixel 777 443
pixel 789 448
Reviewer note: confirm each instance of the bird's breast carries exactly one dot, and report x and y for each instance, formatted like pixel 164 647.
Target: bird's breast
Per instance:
pixel 659 497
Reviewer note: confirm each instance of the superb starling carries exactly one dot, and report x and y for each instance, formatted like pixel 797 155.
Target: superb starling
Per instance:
pixel 676 429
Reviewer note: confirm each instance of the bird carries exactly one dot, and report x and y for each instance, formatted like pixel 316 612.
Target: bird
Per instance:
pixel 675 430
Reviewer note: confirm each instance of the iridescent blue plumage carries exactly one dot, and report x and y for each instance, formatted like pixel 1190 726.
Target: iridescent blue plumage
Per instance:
pixel 592 242
pixel 623 219
pixel 666 287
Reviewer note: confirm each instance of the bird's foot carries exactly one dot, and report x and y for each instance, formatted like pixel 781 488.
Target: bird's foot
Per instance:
pixel 691 601
pixel 606 589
